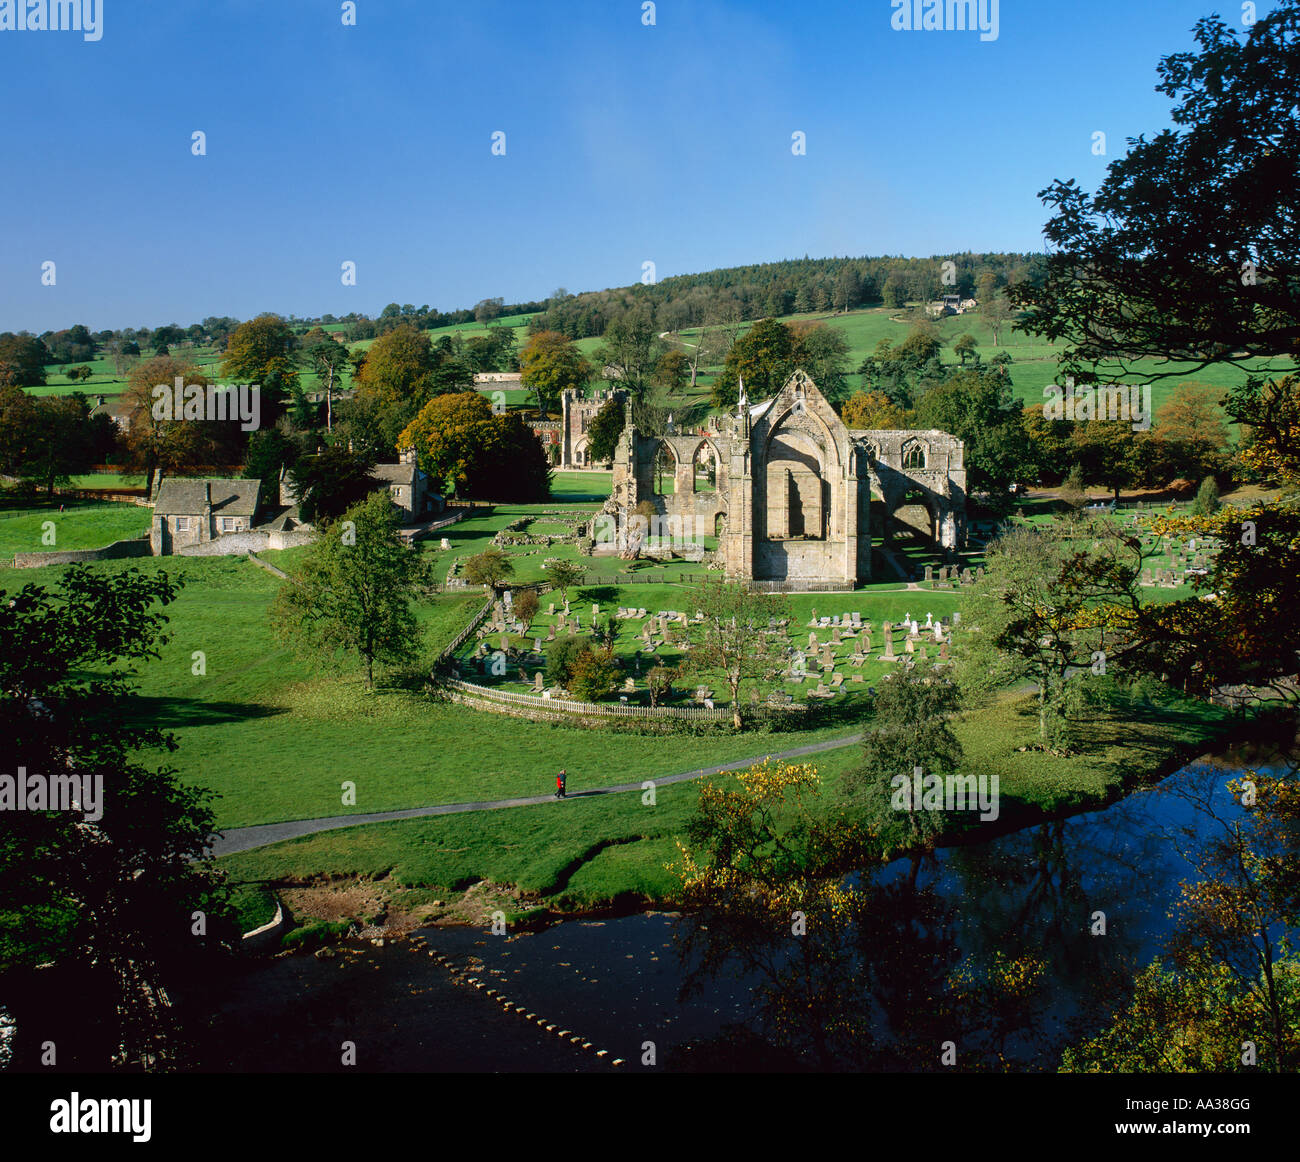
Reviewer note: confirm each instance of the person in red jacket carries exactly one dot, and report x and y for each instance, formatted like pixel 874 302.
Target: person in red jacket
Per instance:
pixel 559 784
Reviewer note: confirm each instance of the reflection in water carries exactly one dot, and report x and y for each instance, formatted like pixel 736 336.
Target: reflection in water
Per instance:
pixel 1002 954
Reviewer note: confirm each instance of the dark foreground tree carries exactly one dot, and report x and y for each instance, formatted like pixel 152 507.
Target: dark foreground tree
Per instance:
pixel 1190 250
pixel 106 908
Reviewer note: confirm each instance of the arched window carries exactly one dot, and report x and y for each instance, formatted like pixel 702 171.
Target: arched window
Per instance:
pixel 914 454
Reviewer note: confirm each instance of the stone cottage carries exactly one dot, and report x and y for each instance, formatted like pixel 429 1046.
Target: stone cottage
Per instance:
pixel 192 511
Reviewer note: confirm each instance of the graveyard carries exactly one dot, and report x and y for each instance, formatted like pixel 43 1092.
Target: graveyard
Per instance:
pixel 837 644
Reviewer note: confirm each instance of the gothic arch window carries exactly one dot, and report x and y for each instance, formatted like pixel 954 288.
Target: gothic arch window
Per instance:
pixel 914 454
pixel 664 480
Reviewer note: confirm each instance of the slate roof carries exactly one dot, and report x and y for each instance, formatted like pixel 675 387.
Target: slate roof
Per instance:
pixel 395 473
pixel 185 496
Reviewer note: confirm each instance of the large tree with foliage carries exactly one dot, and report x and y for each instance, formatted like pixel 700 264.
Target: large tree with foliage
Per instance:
pixel 551 364
pixel 262 351
pixel 1190 248
pixel 352 592
pixel 763 357
pixel 22 361
pixel 467 448
pixel 109 902
pixel 329 482
pixel 158 444
pixel 979 409
pixel 1053 604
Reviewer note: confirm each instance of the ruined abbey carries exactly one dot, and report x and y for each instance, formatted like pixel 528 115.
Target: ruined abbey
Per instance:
pixel 794 497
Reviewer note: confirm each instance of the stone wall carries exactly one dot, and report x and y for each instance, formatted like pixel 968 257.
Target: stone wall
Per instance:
pixel 254 540
pixel 138 547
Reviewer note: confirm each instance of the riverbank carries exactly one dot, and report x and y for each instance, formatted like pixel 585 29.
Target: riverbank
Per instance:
pixel 608 854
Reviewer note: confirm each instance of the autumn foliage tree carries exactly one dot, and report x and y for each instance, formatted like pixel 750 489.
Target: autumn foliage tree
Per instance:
pixel 476 453
pixel 551 364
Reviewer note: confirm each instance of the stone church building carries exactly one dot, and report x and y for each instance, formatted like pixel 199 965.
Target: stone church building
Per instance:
pixel 795 498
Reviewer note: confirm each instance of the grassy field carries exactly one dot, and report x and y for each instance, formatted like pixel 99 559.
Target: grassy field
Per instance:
pixel 84 524
pixel 604 850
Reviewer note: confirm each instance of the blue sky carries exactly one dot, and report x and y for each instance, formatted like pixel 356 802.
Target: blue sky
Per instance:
pixel 624 144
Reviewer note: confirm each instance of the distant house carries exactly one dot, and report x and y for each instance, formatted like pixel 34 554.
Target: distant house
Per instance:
pixel 408 487
pixel 118 411
pixel 189 511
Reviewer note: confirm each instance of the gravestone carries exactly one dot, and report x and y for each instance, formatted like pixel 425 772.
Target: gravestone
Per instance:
pixel 909 644
pixel 889 642
pixel 943 574
pixel 812 640
pixel 595 613
pixel 537 645
pixel 956 617
pixel 550 610
pixel 505 641
pixel 539 681
pixel 943 652
pixel 835 635
pixel 446 544
pixel 929 573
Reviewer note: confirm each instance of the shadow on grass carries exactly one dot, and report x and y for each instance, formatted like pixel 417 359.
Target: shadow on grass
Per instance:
pixel 174 713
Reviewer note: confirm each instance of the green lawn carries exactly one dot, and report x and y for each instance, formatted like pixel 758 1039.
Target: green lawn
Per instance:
pixel 84 524
pixel 598 851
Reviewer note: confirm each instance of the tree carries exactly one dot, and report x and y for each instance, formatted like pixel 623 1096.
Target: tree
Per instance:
pixel 894 292
pixel 964 347
pixel 1207 498
pixel 330 482
pixel 352 593
pixel 329 359
pixel 550 364
pixel 470 450
pixel 80 373
pixel 109 900
pixel 565 574
pixel 562 657
pixel 733 636
pixel 595 674
pixel 822 352
pixel 58 441
pixel 659 681
pixel 156 445
pixel 261 351
pixel 630 352
pixel 909 728
pixel 997 312
pixel 1051 604
pixel 1193 414
pixel 873 411
pixel 270 451
pixel 490 567
pixel 763 358
pixel 670 372
pixel 1188 249
pixel 525 606
pixel 979 409
pixel 1072 492
pixel 398 369
pixel 1108 453
pixel 22 361
pixel 604 430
